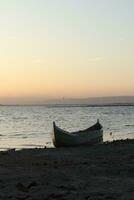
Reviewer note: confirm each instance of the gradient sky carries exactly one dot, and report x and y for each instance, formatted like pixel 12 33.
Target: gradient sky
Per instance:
pixel 66 48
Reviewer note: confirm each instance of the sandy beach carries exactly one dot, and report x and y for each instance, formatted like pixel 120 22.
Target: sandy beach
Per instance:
pixel 103 171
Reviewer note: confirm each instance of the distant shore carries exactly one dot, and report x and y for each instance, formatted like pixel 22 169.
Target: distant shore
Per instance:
pixel 103 171
pixel 88 101
pixel 73 105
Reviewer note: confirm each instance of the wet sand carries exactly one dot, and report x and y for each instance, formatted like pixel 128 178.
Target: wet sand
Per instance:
pixel 103 171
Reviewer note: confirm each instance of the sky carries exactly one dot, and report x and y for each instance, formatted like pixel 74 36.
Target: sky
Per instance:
pixel 66 48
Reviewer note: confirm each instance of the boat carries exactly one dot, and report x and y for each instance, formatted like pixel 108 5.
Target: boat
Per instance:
pixel 89 136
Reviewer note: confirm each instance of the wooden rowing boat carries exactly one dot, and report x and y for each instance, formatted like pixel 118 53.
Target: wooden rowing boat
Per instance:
pixel 89 136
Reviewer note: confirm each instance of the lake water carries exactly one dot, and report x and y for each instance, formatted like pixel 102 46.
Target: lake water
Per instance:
pixel 31 126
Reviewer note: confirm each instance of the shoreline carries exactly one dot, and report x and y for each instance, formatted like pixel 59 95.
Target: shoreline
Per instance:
pixel 104 171
pixel 38 146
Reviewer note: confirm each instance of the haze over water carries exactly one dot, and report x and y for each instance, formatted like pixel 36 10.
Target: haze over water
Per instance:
pixel 65 48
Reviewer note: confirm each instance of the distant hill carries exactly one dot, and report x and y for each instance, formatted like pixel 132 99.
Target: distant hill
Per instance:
pixel 95 100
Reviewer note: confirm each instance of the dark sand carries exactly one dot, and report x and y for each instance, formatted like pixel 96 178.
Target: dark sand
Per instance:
pixel 99 172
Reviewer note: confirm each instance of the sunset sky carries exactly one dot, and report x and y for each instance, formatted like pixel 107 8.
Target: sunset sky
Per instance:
pixel 66 48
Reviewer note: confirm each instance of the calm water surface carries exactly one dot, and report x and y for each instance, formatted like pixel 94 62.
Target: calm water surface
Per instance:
pixel 31 126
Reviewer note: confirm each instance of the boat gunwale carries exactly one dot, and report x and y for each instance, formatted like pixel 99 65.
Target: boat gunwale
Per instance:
pixel 76 133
